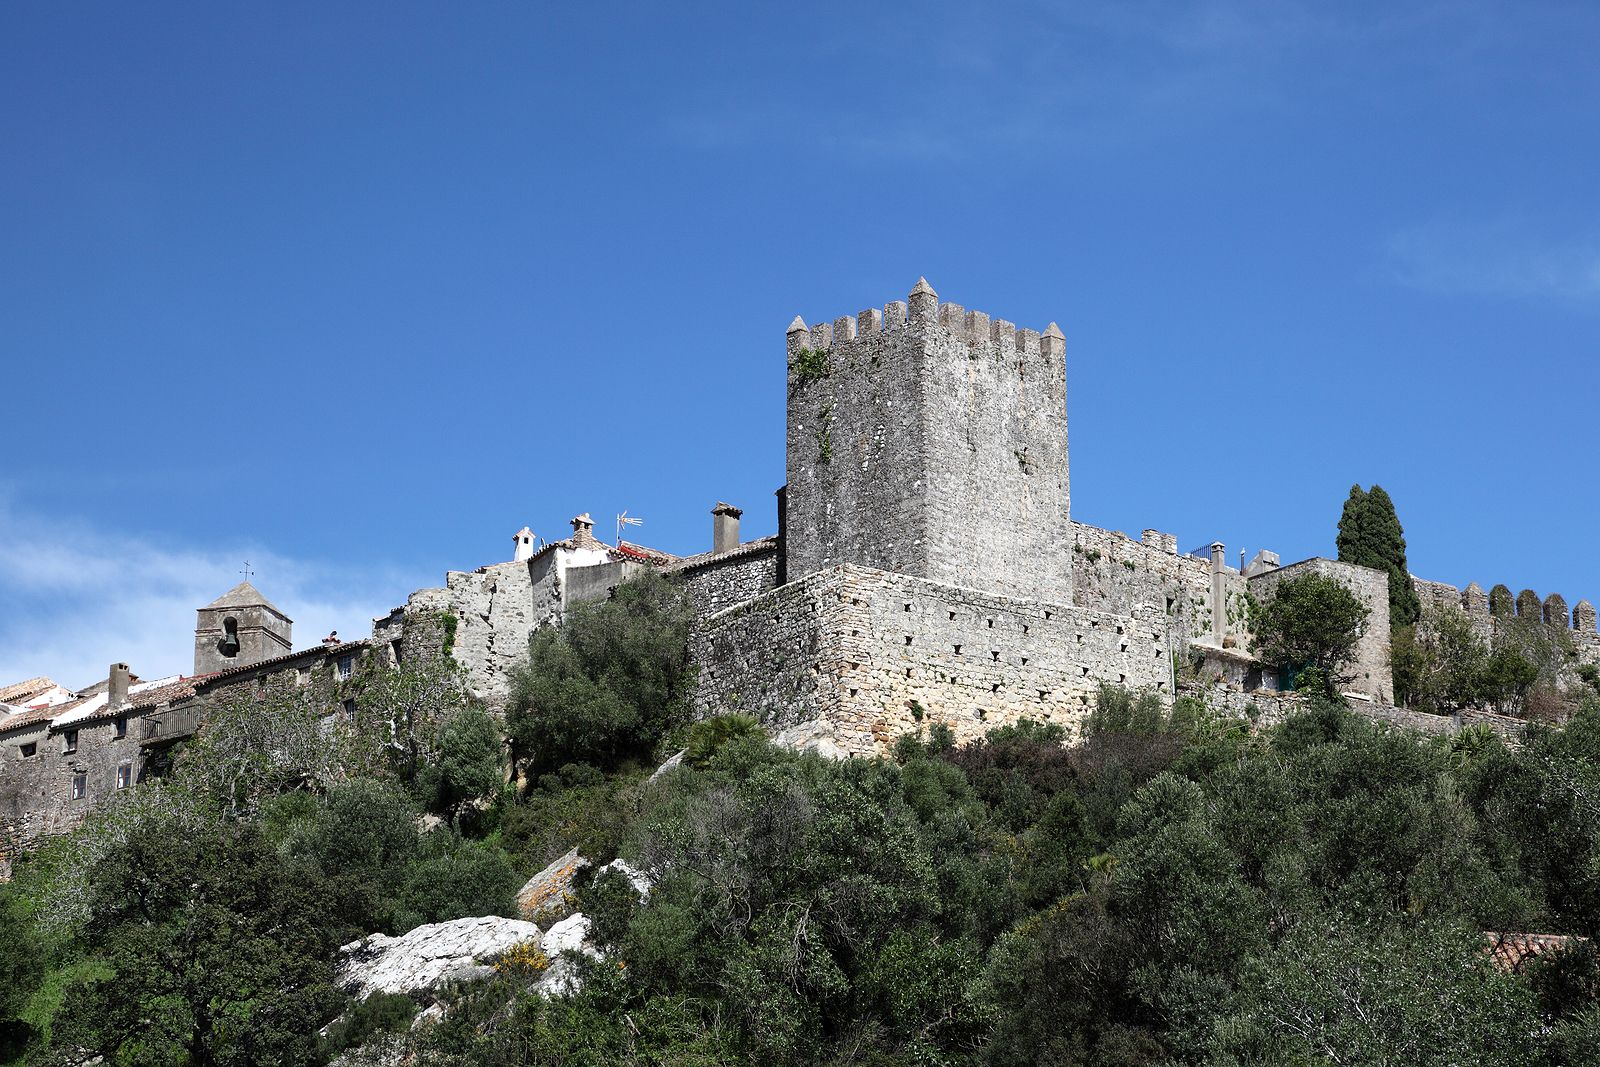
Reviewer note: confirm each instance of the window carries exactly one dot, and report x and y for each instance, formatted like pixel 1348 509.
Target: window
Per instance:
pixel 124 776
pixel 29 749
pixel 69 742
pixel 80 786
pixel 120 726
pixel 349 707
pixel 302 677
pixel 345 664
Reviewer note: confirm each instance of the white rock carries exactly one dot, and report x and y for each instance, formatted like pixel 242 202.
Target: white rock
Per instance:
pixel 569 935
pixel 814 736
pixel 430 955
pixel 674 761
pixel 638 879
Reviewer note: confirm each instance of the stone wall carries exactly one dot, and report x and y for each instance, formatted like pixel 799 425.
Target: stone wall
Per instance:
pixel 1113 572
pixel 36 791
pixel 930 441
pixel 585 585
pixel 717 582
pixel 1578 624
pixel 498 607
pixel 1265 709
pixel 1371 674
pixel 853 657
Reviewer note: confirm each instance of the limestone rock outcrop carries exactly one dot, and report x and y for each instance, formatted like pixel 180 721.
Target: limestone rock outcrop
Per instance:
pixel 551 887
pixel 430 955
pixel 569 935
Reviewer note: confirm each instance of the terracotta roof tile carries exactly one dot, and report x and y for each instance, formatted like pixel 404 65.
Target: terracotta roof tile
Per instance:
pixel 749 548
pixel 231 672
pixel 642 554
pixel 20 692
pixel 1513 952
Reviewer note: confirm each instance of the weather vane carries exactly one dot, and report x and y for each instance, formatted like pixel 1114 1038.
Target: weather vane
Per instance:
pixel 247 572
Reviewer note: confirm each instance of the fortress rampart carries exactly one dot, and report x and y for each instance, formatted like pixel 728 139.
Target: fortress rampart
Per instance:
pixel 853 657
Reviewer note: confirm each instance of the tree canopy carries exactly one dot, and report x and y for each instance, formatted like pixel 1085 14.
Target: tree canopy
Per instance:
pixel 1152 885
pixel 1370 535
pixel 1311 625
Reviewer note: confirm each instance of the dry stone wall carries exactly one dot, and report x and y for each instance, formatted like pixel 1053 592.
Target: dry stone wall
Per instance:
pixel 855 657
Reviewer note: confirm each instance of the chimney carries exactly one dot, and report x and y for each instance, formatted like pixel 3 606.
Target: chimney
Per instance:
pixel 724 528
pixel 117 687
pixel 583 531
pixel 523 540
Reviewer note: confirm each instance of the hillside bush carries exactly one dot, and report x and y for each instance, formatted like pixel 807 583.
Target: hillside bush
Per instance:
pixel 1171 887
pixel 1311 626
pixel 609 684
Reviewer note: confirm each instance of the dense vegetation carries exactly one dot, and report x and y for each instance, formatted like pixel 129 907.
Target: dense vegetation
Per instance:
pixel 1309 630
pixel 1170 888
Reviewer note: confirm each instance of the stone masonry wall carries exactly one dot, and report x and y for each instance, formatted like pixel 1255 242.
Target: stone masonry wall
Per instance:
pixel 1577 625
pixel 1371 671
pixel 498 607
pixel 36 791
pixel 930 441
pixel 37 795
pixel 854 657
pixel 775 657
pixel 715 583
pixel 1113 572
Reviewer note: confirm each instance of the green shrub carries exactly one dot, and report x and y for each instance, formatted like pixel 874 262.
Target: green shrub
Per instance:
pixel 467 767
pixel 380 1013
pixel 709 735
pixel 454 879
pixel 608 685
pixel 1311 623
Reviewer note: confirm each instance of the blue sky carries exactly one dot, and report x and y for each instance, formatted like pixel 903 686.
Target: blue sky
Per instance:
pixel 356 290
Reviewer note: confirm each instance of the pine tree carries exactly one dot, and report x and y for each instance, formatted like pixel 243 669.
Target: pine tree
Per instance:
pixel 1370 535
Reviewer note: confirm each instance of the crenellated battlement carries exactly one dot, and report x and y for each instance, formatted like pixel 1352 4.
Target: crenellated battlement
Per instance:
pixel 1527 605
pixel 922 308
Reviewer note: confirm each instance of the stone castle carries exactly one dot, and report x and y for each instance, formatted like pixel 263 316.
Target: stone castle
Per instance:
pixel 926 569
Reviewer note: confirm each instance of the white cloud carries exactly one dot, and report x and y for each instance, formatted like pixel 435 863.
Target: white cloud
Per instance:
pixel 1503 258
pixel 73 600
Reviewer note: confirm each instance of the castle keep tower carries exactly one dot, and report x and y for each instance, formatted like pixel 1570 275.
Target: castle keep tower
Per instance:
pixel 932 441
pixel 237 629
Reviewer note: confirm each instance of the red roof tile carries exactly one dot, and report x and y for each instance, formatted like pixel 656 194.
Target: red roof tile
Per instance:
pixel 1513 952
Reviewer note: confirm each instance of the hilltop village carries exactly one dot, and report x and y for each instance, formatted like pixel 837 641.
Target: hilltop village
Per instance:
pixel 926 569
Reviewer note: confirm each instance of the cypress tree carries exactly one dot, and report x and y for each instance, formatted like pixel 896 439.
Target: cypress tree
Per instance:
pixel 1370 535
